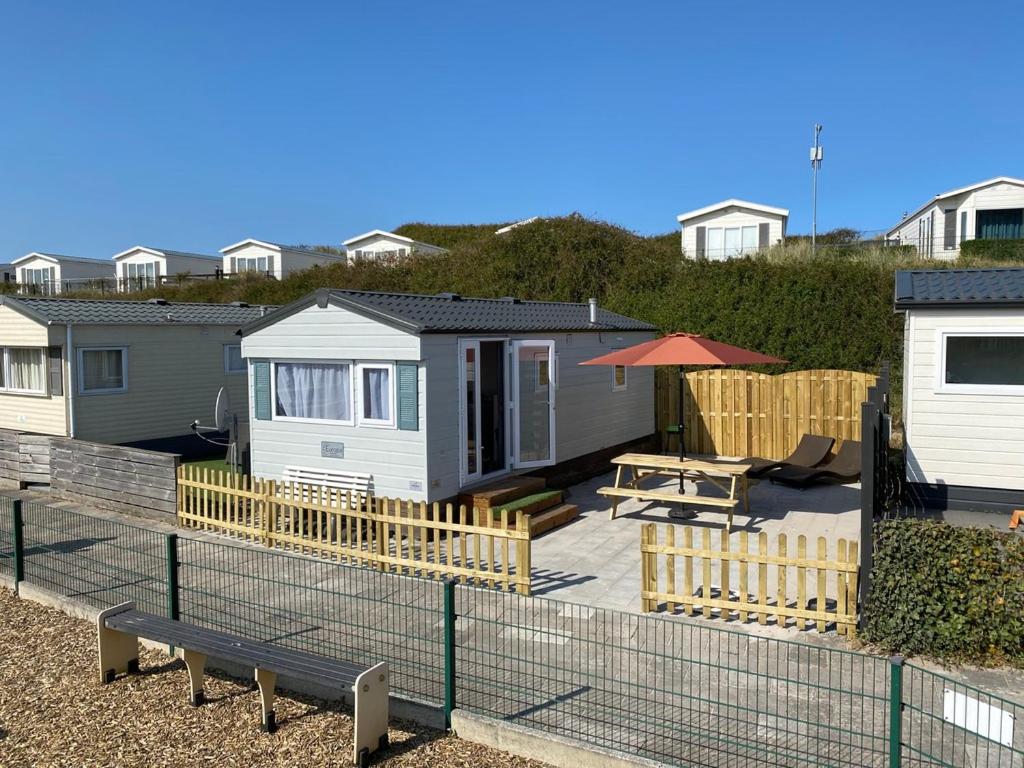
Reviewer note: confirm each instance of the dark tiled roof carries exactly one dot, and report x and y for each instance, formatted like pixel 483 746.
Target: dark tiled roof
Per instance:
pixel 959 287
pixel 104 312
pixel 448 313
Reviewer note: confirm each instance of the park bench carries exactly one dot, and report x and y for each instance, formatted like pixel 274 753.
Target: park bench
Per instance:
pixel 119 629
pixel 356 483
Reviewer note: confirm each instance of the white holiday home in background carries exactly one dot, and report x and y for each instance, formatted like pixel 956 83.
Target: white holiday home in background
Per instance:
pixel 731 228
pixel 142 267
pixel 378 244
pixel 273 259
pixel 988 210
pixel 47 274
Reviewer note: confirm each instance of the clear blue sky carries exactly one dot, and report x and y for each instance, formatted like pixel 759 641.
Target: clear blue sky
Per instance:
pixel 193 125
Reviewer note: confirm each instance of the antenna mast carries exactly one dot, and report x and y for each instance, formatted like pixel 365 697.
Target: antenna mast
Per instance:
pixel 816 152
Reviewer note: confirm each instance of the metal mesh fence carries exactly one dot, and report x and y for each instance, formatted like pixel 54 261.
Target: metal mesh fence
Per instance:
pixel 342 612
pixel 949 723
pixel 668 690
pixel 97 561
pixel 6 536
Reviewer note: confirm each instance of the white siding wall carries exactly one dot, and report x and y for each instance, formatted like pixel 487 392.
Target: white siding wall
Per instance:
pixel 30 413
pixel 730 217
pixel 396 458
pixel 974 440
pixel 174 374
pixel 589 416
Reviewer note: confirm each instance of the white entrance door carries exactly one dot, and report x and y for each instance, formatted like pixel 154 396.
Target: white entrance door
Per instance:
pixel 533 397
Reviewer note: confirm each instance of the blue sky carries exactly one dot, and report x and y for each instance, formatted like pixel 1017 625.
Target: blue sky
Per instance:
pixel 193 125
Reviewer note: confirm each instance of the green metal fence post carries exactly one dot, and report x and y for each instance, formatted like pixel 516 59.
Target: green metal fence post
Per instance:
pixel 173 607
pixel 18 528
pixel 449 651
pixel 895 710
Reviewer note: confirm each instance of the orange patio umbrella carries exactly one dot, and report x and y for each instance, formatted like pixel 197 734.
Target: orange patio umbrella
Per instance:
pixel 683 349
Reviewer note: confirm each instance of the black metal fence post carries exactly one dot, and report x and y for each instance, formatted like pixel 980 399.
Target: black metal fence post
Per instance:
pixel 18 529
pixel 449 651
pixel 173 606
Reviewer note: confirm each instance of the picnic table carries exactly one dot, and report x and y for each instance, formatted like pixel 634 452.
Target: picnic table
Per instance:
pixel 729 477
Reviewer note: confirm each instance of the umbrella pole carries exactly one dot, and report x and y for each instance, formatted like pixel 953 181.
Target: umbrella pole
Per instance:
pixel 682 436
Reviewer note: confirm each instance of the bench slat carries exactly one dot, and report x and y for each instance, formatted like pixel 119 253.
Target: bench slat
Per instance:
pixel 284 661
pixel 640 495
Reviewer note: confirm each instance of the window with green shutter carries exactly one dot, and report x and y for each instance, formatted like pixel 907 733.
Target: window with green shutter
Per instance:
pixel 408 396
pixel 261 390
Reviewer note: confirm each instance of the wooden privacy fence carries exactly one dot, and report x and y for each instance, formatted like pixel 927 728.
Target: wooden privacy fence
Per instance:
pixel 740 585
pixel 394 535
pixel 732 412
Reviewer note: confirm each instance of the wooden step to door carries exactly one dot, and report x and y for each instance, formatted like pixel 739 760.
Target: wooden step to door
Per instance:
pixel 542 522
pixel 493 495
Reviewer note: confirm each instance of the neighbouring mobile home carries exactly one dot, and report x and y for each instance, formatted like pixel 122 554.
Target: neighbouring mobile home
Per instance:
pixel 143 267
pixel 963 387
pixel 433 394
pixel 120 372
pixel 48 274
pixel 273 259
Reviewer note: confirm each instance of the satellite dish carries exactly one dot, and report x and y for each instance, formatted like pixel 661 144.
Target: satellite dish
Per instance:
pixel 222 413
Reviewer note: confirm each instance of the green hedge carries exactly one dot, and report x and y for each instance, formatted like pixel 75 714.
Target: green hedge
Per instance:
pixel 947 592
pixel 992 250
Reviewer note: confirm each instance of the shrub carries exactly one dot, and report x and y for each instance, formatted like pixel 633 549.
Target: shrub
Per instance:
pixel 992 250
pixel 952 593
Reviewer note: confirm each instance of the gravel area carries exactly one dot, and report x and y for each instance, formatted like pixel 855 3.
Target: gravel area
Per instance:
pixel 54 712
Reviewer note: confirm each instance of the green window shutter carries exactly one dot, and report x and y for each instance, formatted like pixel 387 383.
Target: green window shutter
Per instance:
pixel 261 390
pixel 408 396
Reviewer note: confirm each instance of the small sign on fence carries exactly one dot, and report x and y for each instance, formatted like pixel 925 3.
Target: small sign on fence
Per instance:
pixel 977 717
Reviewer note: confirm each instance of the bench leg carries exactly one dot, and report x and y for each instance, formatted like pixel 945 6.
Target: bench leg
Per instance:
pixel 267 680
pixel 195 662
pixel 615 499
pixel 370 702
pixel 118 652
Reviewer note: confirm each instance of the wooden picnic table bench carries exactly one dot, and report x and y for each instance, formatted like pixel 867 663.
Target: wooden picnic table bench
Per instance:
pixel 730 477
pixel 119 629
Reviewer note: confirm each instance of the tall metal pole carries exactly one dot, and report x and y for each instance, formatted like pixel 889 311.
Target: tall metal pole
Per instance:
pixel 815 165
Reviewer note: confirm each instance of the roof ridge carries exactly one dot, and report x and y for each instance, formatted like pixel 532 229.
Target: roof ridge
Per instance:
pixel 464 298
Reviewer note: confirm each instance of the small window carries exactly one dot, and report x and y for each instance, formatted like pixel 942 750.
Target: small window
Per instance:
pixel 984 360
pixel 233 360
pixel 376 395
pixel 22 370
pixel 542 375
pixel 313 391
pixel 102 371
pixel 618 378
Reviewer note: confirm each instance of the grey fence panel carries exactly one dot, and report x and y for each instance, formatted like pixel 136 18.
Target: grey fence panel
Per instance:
pixel 99 562
pixel 950 723
pixel 668 690
pixel 332 610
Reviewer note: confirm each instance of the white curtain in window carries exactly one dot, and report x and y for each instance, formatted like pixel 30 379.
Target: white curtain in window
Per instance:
pixel 716 244
pixel 313 390
pixel 26 367
pixel 101 369
pixel 749 239
pixel 376 391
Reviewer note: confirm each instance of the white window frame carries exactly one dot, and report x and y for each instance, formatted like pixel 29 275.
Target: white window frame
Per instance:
pixel 5 361
pixel 625 378
pixel 376 423
pixel 80 358
pixel 227 368
pixel 299 419
pixel 942 387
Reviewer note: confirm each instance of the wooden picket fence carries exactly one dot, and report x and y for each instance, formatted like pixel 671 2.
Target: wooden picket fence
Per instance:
pixel 740 413
pixel 826 589
pixel 394 535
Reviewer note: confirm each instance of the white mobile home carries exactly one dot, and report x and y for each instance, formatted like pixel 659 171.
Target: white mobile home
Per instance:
pixel 120 372
pixel 144 267
pixel 963 387
pixel 46 274
pixel 988 210
pixel 273 259
pixel 432 394
pixel 378 244
pixel 731 228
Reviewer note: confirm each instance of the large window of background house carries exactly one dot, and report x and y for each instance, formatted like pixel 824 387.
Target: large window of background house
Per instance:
pixel 23 370
pixel 727 242
pixel 102 370
pixel 1000 225
pixel 313 391
pixel 141 275
pixel 251 264
pixel 39 280
pixel 984 360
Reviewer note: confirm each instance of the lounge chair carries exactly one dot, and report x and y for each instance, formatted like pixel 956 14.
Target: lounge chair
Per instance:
pixel 844 468
pixel 810 452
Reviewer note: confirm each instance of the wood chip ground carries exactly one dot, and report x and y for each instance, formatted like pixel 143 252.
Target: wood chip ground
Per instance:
pixel 54 712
